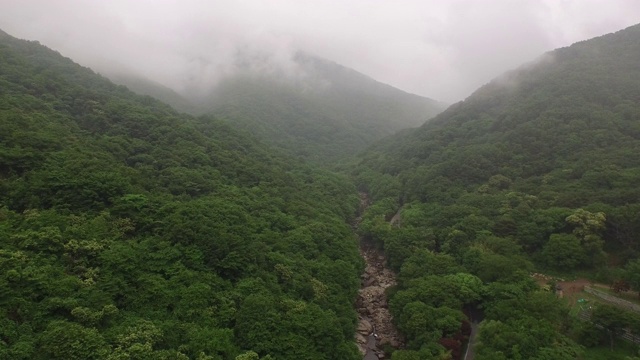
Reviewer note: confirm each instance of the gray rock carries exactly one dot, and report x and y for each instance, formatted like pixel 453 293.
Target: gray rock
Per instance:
pixel 370 282
pixel 365 327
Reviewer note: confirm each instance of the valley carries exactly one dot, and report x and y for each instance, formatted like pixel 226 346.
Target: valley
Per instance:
pixel 319 216
pixel 375 320
pixel 375 330
pixel 502 184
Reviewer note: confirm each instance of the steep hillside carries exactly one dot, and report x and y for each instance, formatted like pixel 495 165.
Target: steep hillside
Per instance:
pixel 322 113
pixel 540 166
pixel 130 231
pixel 575 110
pixel 158 91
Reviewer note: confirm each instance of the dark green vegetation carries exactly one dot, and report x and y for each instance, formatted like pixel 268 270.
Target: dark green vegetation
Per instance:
pixel 316 110
pixel 322 113
pixel 158 91
pixel 539 168
pixel 129 231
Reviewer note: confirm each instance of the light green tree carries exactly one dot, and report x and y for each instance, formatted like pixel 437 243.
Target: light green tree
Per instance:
pixel 588 227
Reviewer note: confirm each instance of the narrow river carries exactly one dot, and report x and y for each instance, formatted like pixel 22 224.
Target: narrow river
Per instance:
pixel 375 328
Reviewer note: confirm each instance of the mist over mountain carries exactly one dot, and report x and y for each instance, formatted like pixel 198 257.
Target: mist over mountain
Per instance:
pixel 538 169
pixel 129 230
pixel 438 49
pixel 570 103
pixel 322 112
pixel 310 107
pixel 201 222
pixel 144 86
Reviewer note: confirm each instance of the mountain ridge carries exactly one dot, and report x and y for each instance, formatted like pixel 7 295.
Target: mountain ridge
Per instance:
pixel 570 75
pixel 535 172
pixel 130 230
pixel 318 110
pixel 329 113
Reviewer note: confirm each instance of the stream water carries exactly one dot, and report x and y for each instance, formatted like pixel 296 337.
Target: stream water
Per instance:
pixel 375 328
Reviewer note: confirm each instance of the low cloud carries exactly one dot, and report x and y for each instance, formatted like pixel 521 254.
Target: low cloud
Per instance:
pixel 443 50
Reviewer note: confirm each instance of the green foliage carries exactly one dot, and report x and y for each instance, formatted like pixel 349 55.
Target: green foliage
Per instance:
pixel 563 252
pixel 325 113
pixel 632 274
pixel 588 334
pixel 614 321
pixel 424 324
pixel 536 167
pixel 555 136
pixel 424 262
pixel 130 231
pixel 63 340
pixel 509 340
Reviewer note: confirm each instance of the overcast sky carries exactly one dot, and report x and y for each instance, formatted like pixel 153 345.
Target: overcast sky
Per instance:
pixel 443 49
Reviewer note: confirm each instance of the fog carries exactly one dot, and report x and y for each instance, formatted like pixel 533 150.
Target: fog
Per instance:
pixel 440 49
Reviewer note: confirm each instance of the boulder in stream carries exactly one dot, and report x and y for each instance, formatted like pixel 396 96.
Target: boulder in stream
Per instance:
pixel 365 327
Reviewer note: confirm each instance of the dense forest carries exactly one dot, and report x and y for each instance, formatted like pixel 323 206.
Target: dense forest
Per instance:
pixel 538 169
pixel 322 112
pixel 130 231
pixel 311 108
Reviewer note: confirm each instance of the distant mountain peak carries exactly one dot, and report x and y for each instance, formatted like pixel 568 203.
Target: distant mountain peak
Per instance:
pixel 574 105
pixel 319 110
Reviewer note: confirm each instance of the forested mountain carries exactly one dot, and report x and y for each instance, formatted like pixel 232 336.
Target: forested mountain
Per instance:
pixel 129 231
pixel 539 167
pixel 316 109
pixel 320 112
pixel 132 231
pixel 143 86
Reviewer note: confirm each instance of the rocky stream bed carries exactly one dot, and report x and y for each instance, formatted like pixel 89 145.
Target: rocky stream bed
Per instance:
pixel 375 328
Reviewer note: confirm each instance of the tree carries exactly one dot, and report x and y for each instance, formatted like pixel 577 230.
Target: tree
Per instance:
pixel 588 227
pixel 490 267
pixel 424 324
pixel 612 319
pixel 424 262
pixel 115 208
pixel 467 288
pixel 522 338
pixel 564 352
pixel 251 355
pixel 431 353
pixel 257 321
pixel 433 290
pixel 539 305
pixel 632 275
pixel 66 340
pixel 564 252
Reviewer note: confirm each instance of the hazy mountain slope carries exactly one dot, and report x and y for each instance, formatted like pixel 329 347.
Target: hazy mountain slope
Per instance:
pixel 323 112
pixel 540 166
pixel 151 88
pixel 574 111
pixel 128 230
